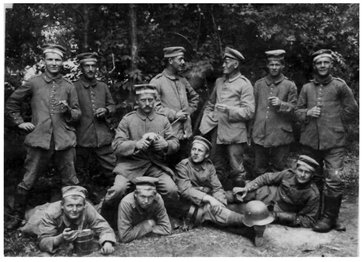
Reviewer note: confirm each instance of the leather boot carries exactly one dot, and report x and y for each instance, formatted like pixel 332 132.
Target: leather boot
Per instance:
pixel 258 235
pixel 20 202
pixel 330 215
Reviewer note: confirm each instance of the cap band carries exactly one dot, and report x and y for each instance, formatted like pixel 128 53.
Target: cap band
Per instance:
pixel 73 193
pixel 88 60
pixel 53 50
pixel 173 54
pixel 145 91
pixel 299 162
pixel 322 56
pixel 202 143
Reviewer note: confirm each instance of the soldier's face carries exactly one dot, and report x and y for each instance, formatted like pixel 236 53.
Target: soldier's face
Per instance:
pixel 89 69
pixel 303 174
pixel 177 63
pixel 146 102
pixel 323 66
pixel 229 65
pixel 53 63
pixel 145 195
pixel 73 207
pixel 275 67
pixel 198 153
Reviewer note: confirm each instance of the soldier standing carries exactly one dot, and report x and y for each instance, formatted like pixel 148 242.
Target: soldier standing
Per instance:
pixel 275 100
pixel 176 99
pixel 227 113
pixel 325 104
pixel 55 110
pixel 93 133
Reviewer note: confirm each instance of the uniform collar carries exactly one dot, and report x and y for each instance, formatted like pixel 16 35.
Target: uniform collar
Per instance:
pixel 233 78
pixel 325 81
pixel 49 78
pixel 143 116
pixel 269 79
pixel 201 165
pixel 169 75
pixel 87 83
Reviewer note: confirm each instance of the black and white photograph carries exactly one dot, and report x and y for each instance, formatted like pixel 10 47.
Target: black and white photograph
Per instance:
pixel 186 129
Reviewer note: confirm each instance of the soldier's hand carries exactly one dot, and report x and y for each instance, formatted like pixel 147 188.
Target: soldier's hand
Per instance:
pixel 64 107
pixel 143 144
pixel 181 115
pixel 69 235
pixel 160 143
pixel 100 112
pixel 107 248
pixel 151 222
pixel 314 112
pixel 212 201
pixel 240 193
pixel 150 136
pixel 274 101
pixel 27 126
pixel 221 107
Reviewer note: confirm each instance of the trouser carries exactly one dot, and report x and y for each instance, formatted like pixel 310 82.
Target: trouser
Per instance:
pixel 104 156
pixel 37 160
pixel 331 161
pixel 270 159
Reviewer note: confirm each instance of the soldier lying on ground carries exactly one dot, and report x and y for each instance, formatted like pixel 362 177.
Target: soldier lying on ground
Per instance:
pixel 291 194
pixel 65 219
pixel 142 212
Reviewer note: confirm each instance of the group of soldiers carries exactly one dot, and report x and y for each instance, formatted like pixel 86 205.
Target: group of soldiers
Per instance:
pixel 154 168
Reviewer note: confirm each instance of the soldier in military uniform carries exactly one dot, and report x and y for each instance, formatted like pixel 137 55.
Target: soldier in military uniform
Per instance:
pixel 64 220
pixel 275 101
pixel 325 105
pixel 55 110
pixel 143 140
pixel 142 212
pixel 204 199
pixel 227 113
pixel 93 134
pixel 176 99
pixel 291 194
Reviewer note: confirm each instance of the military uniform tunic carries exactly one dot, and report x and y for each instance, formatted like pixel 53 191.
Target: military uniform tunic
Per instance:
pixel 132 220
pixel 92 131
pixel 194 181
pixel 237 93
pixel 273 125
pixel 54 222
pixel 54 133
pixel 175 93
pixel 337 107
pixel 290 196
pixel 50 122
pixel 133 163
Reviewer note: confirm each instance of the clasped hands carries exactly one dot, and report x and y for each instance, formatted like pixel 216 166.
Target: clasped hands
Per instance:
pixel 151 139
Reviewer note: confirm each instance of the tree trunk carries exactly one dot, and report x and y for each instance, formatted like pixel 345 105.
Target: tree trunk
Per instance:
pixel 133 36
pixel 86 27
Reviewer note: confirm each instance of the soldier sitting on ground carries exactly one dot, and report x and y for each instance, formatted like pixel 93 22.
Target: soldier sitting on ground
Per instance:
pixel 203 198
